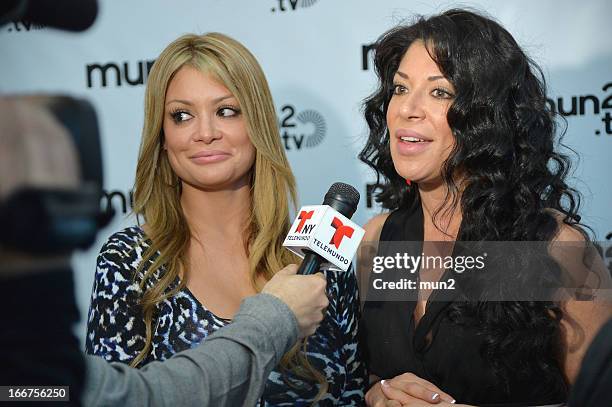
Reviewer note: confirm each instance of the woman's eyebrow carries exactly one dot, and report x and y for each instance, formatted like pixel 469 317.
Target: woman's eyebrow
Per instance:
pixel 431 78
pixel 189 103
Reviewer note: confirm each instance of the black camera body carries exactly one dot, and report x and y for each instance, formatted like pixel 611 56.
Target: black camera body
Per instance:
pixel 51 221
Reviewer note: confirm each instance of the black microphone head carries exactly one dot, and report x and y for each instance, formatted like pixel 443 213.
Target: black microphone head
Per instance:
pixel 344 198
pixel 70 15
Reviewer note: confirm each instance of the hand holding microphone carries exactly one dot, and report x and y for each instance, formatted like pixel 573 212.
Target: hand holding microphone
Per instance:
pixel 305 296
pixel 320 234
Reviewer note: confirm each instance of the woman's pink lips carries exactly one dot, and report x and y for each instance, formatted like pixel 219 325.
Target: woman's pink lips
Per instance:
pixel 407 147
pixel 205 157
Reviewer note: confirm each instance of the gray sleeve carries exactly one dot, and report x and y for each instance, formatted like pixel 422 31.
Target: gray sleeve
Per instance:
pixel 229 368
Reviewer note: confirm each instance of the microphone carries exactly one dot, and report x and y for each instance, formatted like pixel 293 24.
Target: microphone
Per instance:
pixel 324 233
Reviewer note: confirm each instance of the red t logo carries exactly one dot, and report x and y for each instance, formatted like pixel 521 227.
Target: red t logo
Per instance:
pixel 341 231
pixel 304 216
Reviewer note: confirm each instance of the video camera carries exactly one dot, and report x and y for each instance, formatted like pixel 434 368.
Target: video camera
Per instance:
pixel 39 219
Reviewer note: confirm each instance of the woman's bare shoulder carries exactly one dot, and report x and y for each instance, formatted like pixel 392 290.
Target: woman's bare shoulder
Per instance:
pixel 374 226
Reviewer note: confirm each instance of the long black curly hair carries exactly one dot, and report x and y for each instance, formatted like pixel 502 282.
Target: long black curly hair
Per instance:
pixel 513 178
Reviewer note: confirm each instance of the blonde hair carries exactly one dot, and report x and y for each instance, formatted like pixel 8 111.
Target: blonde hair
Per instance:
pixel 157 188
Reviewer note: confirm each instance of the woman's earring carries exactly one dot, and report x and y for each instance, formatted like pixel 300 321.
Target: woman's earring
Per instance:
pixel 408 181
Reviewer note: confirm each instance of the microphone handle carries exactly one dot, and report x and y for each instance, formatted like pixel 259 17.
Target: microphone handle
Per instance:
pixel 311 263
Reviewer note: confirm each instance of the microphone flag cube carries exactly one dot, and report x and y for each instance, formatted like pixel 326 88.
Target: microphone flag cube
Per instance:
pixel 323 230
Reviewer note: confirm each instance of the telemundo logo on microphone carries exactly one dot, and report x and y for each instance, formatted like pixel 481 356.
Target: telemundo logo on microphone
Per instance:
pixel 326 232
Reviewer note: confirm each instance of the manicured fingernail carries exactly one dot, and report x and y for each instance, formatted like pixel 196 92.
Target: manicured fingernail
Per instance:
pixel 435 396
pixel 384 383
pixel 454 401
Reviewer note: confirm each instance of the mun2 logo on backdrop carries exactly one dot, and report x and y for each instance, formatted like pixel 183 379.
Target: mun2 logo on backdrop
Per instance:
pixel 304 129
pixel 586 105
pixel 118 74
pixel 283 6
pixel 367 55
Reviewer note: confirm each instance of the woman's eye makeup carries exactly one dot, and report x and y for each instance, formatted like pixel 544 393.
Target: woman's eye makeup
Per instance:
pixel 228 111
pixel 179 116
pixel 398 89
pixel 442 93
pixel 439 92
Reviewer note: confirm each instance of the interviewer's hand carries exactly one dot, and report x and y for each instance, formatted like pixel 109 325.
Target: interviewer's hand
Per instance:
pixel 305 295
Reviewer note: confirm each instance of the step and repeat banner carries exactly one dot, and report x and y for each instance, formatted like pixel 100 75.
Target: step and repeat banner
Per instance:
pixel 317 57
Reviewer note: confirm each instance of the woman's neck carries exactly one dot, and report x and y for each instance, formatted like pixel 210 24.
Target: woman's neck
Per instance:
pixel 438 209
pixel 217 214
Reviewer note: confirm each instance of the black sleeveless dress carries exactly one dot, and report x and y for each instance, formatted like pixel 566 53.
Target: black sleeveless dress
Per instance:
pixel 437 349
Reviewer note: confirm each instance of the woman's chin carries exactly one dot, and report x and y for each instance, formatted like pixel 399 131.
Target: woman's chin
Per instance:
pixel 215 184
pixel 412 174
pixel 422 179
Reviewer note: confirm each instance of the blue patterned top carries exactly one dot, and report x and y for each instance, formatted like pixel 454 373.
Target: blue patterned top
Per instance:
pixel 116 329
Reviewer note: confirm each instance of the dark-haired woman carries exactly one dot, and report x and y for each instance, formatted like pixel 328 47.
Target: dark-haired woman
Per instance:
pixel 463 145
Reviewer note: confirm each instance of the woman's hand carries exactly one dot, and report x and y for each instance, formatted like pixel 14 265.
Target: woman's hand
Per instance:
pixel 409 389
pixel 376 398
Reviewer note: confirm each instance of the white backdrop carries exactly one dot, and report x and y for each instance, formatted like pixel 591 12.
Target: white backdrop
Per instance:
pixel 312 52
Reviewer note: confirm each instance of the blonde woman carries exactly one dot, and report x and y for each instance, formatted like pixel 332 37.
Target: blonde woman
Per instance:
pixel 213 186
